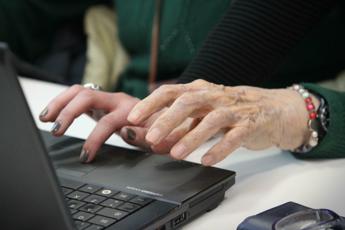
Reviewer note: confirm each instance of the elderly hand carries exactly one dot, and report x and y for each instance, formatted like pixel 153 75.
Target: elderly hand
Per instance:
pixel 252 117
pixel 78 100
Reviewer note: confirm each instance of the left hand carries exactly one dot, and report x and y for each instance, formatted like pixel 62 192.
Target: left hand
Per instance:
pixel 255 118
pixel 110 110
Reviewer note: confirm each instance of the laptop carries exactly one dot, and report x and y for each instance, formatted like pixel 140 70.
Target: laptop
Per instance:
pixel 44 186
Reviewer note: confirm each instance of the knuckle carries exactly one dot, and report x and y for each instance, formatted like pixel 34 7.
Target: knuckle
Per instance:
pixel 67 113
pixel 107 121
pixel 119 95
pixel 228 142
pixel 163 123
pixel 167 90
pixel 187 98
pixel 215 117
pixel 199 82
pixel 76 87
pixel 86 94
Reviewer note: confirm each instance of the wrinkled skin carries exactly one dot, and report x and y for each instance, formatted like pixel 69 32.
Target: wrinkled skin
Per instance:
pixel 251 117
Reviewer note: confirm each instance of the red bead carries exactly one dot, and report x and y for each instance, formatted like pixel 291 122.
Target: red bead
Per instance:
pixel 310 107
pixel 312 115
pixel 308 100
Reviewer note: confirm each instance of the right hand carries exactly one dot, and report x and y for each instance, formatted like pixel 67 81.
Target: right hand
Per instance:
pixel 77 100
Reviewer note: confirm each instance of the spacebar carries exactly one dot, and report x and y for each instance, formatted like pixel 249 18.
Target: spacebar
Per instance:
pixel 145 216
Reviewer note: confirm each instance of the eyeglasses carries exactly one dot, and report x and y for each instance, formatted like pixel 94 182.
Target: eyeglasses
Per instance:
pixel 311 219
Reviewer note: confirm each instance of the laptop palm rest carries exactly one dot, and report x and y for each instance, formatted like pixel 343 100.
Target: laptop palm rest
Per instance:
pixel 135 171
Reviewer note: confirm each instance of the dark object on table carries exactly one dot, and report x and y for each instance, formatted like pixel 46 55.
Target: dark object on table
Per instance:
pixel 293 216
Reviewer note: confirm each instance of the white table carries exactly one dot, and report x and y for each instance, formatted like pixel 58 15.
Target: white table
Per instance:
pixel 264 179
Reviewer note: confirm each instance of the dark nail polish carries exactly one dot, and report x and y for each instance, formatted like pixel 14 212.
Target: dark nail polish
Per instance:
pixel 131 135
pixel 56 127
pixel 84 156
pixel 44 112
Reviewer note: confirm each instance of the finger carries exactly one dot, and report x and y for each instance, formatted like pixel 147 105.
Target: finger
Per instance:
pixel 103 130
pixel 158 99
pixel 207 128
pixel 58 103
pixel 135 135
pixel 166 144
pixel 81 103
pixel 179 111
pixel 230 142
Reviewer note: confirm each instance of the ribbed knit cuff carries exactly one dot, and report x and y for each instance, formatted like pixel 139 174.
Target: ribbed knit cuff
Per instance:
pixel 333 143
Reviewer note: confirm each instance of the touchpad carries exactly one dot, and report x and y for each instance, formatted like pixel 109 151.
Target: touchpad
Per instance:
pixel 65 151
pixel 137 171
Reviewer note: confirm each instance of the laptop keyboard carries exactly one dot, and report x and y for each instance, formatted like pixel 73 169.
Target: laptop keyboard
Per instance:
pixel 94 207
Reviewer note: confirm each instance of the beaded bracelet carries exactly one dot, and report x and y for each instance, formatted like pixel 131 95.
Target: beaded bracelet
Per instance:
pixel 313 137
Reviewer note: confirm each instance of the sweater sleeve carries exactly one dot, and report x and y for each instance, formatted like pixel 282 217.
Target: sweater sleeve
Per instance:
pixel 252 39
pixel 333 143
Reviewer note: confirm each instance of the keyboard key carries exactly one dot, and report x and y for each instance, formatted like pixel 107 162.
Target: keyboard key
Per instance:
pixel 73 211
pixel 77 195
pixel 106 192
pixel 70 183
pixel 75 204
pixel 141 200
pixel 90 208
pixel 111 203
pixel 90 188
pixel 94 199
pixel 101 220
pixel 94 227
pixel 113 213
pixel 66 190
pixel 81 225
pixel 123 196
pixel 82 216
pixel 128 207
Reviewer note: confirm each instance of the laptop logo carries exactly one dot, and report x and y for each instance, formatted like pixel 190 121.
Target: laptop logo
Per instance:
pixel 143 191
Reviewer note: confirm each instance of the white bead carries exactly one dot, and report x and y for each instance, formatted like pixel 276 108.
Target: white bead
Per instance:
pixel 301 91
pixel 314 134
pixel 296 87
pixel 305 94
pixel 313 142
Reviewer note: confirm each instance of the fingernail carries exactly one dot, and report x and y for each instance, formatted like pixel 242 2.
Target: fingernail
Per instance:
pixel 84 156
pixel 133 116
pixel 56 126
pixel 179 151
pixel 44 112
pixel 153 136
pixel 131 135
pixel 208 160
